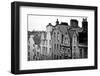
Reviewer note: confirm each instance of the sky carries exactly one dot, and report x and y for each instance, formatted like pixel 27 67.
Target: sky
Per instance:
pixel 39 22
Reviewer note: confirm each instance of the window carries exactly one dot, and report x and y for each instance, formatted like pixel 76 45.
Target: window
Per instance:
pixel 54 34
pixel 68 50
pixel 74 47
pixel 50 49
pixel 45 48
pixel 54 46
pixel 65 38
pixel 33 45
pixel 28 53
pixel 43 42
pixel 62 38
pixel 46 42
pixel 28 47
pixel 57 46
pixel 49 42
pixel 58 36
pixel 81 52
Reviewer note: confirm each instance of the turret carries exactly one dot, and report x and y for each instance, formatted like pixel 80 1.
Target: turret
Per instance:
pixel 57 22
pixel 49 27
pixel 74 23
pixel 85 25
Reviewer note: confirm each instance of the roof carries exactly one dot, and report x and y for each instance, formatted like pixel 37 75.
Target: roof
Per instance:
pixel 75 20
pixel 62 28
pixel 65 29
pixel 49 25
pixel 64 23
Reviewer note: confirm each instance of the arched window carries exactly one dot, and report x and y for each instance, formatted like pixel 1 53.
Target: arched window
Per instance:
pixel 49 42
pixel 54 34
pixel 62 38
pixel 54 46
pixel 58 36
pixel 57 46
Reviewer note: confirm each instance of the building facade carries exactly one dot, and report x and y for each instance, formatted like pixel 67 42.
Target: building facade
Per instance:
pixel 49 29
pixel 60 41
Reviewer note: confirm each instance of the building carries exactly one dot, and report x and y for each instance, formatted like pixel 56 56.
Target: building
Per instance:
pixel 31 51
pixel 75 44
pixel 49 29
pixel 43 45
pixel 34 51
pixel 66 40
pixel 56 41
pixel 83 39
pixel 60 41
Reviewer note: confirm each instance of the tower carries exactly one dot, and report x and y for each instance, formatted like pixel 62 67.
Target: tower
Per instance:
pixel 75 48
pixel 74 23
pixel 85 25
pixel 49 28
pixel 57 22
pixel 85 31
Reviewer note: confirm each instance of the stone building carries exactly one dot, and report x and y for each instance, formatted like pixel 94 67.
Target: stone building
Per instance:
pixel 83 39
pixel 49 29
pixel 59 41
pixel 75 44
pixel 75 29
pixel 34 46
pixel 65 40
pixel 43 44
pixel 56 41
pixel 31 50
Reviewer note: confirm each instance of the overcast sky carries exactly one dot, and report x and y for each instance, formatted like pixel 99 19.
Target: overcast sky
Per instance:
pixel 39 22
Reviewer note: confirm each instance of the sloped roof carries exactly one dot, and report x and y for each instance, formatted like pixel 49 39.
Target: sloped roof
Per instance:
pixel 67 29
pixel 49 25
pixel 62 28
